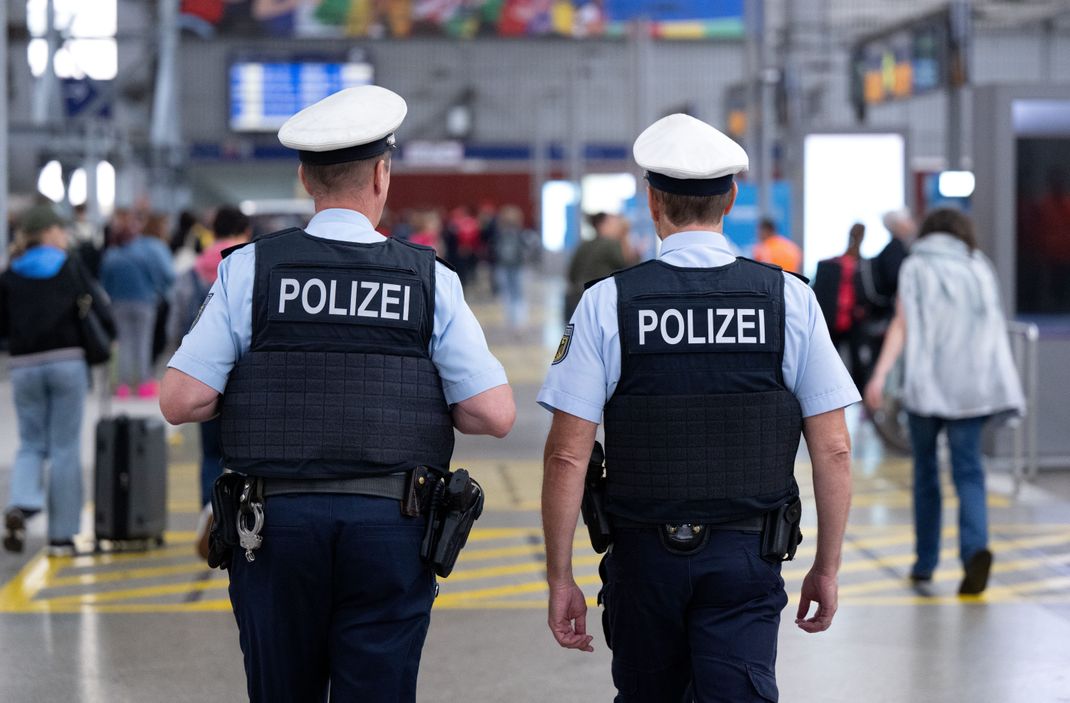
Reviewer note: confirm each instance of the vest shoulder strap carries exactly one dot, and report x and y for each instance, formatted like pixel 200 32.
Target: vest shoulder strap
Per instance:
pixel 801 277
pixel 289 230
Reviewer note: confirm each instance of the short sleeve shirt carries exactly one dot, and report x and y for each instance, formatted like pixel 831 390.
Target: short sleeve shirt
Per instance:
pixel 223 330
pixel 585 374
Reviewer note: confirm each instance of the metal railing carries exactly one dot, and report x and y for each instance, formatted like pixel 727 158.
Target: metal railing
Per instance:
pixel 1024 338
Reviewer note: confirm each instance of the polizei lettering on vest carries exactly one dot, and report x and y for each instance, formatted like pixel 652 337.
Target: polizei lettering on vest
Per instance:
pixel 702 327
pixel 388 301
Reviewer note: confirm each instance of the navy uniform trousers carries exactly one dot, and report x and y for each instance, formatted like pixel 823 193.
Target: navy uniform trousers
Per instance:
pixel 337 598
pixel 700 627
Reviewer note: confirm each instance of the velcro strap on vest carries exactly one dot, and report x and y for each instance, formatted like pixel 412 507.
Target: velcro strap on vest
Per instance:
pixel 334 414
pixel 391 486
pixel 701 447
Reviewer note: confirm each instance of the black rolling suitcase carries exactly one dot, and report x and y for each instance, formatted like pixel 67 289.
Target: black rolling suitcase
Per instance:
pixel 130 503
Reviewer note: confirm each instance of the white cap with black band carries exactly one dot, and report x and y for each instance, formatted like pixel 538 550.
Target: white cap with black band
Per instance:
pixel 350 125
pixel 686 156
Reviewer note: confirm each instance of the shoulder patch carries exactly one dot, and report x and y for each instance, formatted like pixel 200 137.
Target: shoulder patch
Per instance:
pixel 563 347
pixel 200 311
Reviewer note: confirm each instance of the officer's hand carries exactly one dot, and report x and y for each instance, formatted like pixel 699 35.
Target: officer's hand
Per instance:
pixel 568 617
pixel 822 589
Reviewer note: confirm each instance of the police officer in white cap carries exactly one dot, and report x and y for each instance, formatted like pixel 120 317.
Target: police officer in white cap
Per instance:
pixel 705 368
pixel 339 361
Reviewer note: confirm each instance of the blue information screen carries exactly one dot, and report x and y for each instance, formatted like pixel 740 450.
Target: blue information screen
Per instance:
pixel 263 95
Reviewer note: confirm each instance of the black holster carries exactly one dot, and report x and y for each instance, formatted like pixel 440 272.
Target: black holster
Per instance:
pixel 780 532
pixel 455 504
pixel 226 499
pixel 593 505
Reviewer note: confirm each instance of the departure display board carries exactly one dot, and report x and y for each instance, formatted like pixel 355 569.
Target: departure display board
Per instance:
pixel 264 94
pixel 910 60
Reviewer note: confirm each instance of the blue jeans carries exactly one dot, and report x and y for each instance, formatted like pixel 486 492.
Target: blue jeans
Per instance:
pixel 337 597
pixel 49 401
pixel 967 472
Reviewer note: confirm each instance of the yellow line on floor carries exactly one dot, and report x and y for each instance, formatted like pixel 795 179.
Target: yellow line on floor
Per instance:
pixel 537 549
pixel 135 593
pixel 512 569
pixel 517 589
pixel 105 559
pixel 94 578
pixel 1006 567
pixel 489 533
pixel 19 592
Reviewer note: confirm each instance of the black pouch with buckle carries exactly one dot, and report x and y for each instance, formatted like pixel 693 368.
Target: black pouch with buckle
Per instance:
pixel 684 538
pixel 456 502
pixel 226 496
pixel 780 532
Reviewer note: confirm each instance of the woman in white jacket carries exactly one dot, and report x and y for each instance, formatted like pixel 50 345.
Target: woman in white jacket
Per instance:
pixel 958 373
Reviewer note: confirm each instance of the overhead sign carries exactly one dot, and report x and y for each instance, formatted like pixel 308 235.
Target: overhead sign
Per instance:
pixel 912 59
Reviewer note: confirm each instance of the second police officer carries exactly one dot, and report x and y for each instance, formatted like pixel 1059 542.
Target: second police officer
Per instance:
pixel 339 361
pixel 706 368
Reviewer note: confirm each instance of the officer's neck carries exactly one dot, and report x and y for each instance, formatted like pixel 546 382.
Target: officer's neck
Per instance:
pixel 666 230
pixel 365 206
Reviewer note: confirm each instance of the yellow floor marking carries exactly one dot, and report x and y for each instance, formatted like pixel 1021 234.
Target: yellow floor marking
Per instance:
pixel 105 559
pixel 17 595
pixel 92 579
pixel 141 592
pixel 513 569
pixel 537 549
pixel 490 533
pixel 1006 567
pixel 518 588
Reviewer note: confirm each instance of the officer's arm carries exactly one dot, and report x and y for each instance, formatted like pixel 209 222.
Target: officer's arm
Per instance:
pixel 185 399
pixel 491 412
pixel 829 444
pixel 568 449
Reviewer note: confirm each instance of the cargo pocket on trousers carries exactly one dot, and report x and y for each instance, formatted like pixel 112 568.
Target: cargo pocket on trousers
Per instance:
pixel 764 683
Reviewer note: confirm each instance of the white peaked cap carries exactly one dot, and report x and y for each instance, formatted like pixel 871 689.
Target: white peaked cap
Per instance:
pixel 352 124
pixel 687 156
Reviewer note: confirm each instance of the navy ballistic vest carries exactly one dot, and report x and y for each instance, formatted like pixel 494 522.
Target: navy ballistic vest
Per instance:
pixel 337 381
pixel 700 427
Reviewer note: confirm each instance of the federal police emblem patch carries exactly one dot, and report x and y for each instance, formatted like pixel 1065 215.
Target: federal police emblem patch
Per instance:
pixel 200 311
pixel 566 342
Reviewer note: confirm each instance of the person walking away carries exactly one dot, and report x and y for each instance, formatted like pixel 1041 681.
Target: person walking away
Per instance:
pixel 136 272
pixel 40 294
pixel 336 598
pixel 836 289
pixel 597 258
pixel 776 249
pixel 511 244
pixel 958 374
pixel 706 368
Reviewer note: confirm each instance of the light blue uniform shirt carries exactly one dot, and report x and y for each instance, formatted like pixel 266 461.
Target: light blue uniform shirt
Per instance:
pixel 583 382
pixel 225 328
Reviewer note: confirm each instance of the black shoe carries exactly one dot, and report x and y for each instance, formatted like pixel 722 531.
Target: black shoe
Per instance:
pixel 922 585
pixel 14 530
pixel 61 548
pixel 976 578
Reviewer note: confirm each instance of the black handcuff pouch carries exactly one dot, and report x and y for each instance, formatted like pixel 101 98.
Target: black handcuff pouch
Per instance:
pixel 226 498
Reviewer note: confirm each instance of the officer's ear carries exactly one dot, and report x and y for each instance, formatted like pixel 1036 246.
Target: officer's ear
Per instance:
pixel 381 176
pixel 303 178
pixel 653 204
pixel 731 200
